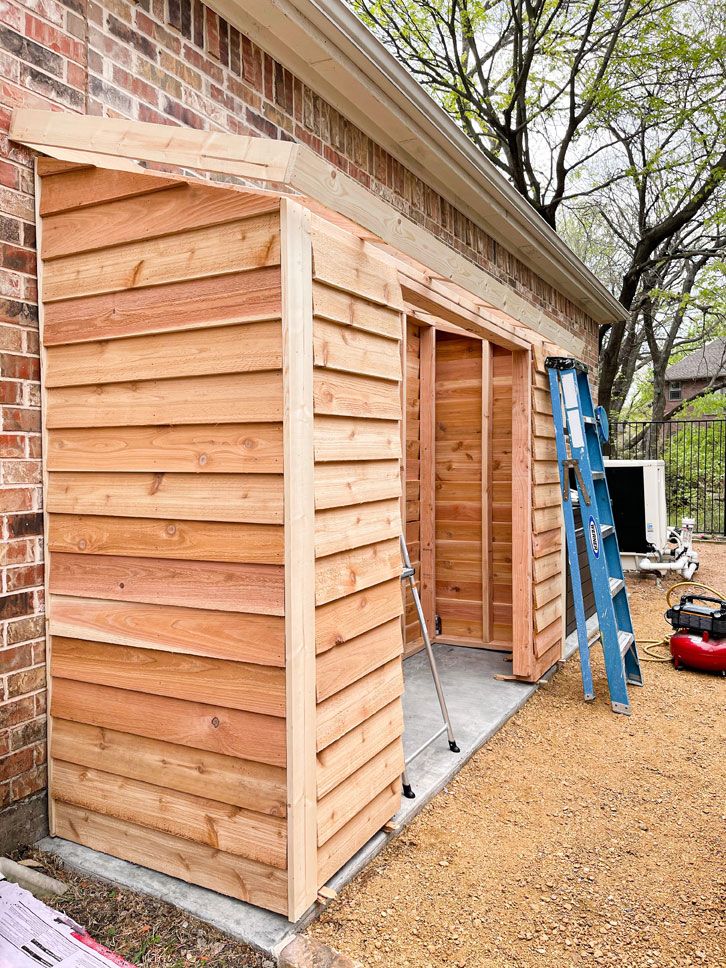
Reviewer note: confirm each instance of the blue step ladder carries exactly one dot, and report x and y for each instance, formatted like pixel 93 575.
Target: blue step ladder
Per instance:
pixel 579 430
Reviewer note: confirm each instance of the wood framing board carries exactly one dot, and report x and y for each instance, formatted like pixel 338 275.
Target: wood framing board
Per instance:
pixel 500 444
pixel 549 570
pixel 412 477
pixel 522 603
pixel 458 500
pixel 297 339
pixel 358 332
pixel 166 529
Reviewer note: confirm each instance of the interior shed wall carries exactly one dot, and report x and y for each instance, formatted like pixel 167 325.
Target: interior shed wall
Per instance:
pixel 460 585
pixel 357 442
pixel 412 475
pixel 162 334
pixel 501 495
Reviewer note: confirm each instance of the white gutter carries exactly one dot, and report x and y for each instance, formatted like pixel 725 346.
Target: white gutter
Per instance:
pixel 324 44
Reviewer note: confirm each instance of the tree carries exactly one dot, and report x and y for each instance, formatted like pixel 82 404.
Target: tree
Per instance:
pixel 607 112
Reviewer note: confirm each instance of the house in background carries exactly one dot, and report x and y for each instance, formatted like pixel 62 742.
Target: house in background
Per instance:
pixel 686 379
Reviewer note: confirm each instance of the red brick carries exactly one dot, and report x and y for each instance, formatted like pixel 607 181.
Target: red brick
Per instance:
pixel 11 660
pixel 21 525
pixel 28 783
pixel 8 175
pixel 14 367
pixel 11 393
pixel 29 680
pixel 26 629
pixel 23 420
pixel 16 605
pixel 16 763
pixel 28 734
pixel 15 499
pixel 28 576
pixel 21 472
pixel 18 711
pixel 57 40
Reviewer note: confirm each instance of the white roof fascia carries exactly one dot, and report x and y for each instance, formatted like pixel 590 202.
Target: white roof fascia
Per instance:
pixel 324 44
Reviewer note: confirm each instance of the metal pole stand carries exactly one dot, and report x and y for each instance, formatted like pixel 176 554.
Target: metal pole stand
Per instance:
pixel 409 574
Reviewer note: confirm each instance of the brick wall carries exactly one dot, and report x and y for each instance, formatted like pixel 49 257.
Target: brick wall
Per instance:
pixel 170 62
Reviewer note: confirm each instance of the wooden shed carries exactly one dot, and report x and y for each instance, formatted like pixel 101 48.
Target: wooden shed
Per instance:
pixel 247 389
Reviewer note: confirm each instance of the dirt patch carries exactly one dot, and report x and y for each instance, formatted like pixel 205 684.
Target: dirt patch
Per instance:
pixel 147 932
pixel 575 837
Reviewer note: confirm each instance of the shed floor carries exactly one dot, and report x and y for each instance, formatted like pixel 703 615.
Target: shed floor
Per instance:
pixel 478 705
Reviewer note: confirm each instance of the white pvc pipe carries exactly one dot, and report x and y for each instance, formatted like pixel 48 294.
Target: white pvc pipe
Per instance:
pixel 686 567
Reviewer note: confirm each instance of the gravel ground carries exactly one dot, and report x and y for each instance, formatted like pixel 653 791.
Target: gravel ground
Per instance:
pixel 575 837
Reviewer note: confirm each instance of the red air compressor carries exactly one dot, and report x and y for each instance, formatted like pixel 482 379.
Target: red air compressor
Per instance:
pixel 700 637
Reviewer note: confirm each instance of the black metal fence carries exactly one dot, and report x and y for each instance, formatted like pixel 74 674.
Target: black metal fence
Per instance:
pixel 694 452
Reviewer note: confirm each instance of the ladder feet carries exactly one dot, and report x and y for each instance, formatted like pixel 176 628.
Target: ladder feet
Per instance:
pixel 453 747
pixel 408 792
pixel 621 707
pixel 589 696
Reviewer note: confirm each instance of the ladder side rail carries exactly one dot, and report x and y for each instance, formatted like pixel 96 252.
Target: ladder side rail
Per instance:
pixel 578 406
pixel 571 537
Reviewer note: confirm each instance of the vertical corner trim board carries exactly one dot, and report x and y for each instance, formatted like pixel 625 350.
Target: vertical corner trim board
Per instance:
pixel 162 361
pixel 358 415
pixel 299 476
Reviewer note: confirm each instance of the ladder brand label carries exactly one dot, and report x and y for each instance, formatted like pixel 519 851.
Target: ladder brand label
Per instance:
pixel 594 537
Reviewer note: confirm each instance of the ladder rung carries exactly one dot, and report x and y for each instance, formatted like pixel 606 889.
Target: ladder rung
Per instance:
pixel 606 530
pixel 598 475
pixel 625 640
pixel 616 585
pixel 590 421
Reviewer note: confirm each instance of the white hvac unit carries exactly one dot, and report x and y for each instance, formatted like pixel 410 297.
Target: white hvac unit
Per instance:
pixel 647 544
pixel 637 492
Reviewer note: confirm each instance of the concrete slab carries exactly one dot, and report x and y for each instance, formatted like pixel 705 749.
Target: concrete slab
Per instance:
pixel 478 704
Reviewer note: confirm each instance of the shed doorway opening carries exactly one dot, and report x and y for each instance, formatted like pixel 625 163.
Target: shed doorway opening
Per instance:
pixel 458 472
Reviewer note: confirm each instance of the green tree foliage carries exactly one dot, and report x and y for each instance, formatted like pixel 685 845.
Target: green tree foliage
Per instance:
pixel 608 117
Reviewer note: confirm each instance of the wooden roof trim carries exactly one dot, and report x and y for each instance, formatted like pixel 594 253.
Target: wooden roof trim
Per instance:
pixel 286 168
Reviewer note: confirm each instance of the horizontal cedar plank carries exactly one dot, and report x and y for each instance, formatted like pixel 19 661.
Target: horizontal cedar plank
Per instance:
pixel 342 484
pixel 233 732
pixel 345 618
pixel 67 190
pixel 191 304
pixel 350 310
pixel 545 472
pixel 349 395
pixel 342 758
pixel 544 615
pixel 546 542
pixel 233 830
pixel 195 863
pixel 343 803
pixel 95 534
pixel 340 529
pixel 547 566
pixel 251 498
pixel 339 347
pixel 368 821
pixel 547 638
pixel 194 584
pixel 231 398
pixel 340 259
pixel 247 244
pixel 339 667
pixel 119 221
pixel 546 496
pixel 194 352
pixel 338 438
pixel 197 631
pixel 212 449
pixel 351 706
pixel 545 519
pixel 256 688
pixel 254 786
pixel 346 572
pixel 546 591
